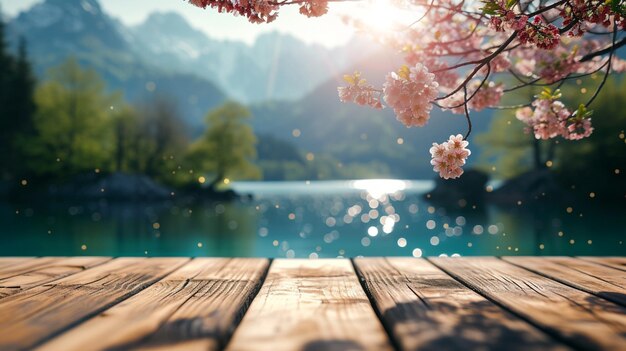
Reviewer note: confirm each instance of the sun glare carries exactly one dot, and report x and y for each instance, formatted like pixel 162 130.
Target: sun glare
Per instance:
pixel 383 16
pixel 377 188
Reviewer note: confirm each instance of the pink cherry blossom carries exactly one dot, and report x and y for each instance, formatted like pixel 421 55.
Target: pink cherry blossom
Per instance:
pixel 449 157
pixel 409 92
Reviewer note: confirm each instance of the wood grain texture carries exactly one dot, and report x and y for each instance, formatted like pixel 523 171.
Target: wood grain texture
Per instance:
pixel 613 262
pixel 593 278
pixel 47 272
pixel 195 307
pixel 310 305
pixel 34 315
pixel 576 317
pixel 17 267
pixel 11 261
pixel 426 309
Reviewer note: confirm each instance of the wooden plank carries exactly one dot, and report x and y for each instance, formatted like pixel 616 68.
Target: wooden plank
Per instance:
pixel 587 276
pixel 578 318
pixel 12 261
pixel 426 309
pixel 310 305
pixel 613 262
pixel 56 269
pixel 196 307
pixel 24 266
pixel 32 316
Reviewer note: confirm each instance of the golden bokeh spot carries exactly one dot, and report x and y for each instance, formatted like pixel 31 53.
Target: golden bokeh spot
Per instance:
pixel 201 180
pixel 310 156
pixel 296 133
pixel 24 182
pixel 226 181
pixel 549 163
pixel 156 225
pixel 400 141
pixel 592 195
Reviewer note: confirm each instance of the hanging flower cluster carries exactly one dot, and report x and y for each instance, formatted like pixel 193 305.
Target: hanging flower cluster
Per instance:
pixel 550 118
pixel 448 158
pixel 262 11
pixel 410 92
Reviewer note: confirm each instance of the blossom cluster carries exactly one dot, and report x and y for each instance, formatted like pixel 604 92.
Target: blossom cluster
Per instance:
pixel 261 11
pixel 410 92
pixel 359 92
pixel 543 35
pixel 449 157
pixel 550 118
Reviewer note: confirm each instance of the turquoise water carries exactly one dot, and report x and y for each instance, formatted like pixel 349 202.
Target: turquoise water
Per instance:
pixel 310 219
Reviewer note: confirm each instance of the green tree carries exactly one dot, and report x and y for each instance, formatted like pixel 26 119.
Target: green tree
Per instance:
pixel 227 148
pixel 17 107
pixel 73 122
pixel 160 140
pixel 508 149
pixel 598 163
pixel 7 64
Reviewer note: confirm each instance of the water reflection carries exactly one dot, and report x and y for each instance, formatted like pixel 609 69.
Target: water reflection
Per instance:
pixel 310 219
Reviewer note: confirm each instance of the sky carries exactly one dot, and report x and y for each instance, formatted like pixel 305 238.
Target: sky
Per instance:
pixel 327 30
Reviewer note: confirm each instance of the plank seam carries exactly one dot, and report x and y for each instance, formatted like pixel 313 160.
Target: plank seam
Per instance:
pixel 96 312
pixel 546 330
pixel 395 344
pixel 571 285
pixel 222 342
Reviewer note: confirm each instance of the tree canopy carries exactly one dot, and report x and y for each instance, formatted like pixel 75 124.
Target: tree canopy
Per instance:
pixel 456 53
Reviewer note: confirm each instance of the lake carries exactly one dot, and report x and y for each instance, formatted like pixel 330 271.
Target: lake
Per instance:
pixel 310 219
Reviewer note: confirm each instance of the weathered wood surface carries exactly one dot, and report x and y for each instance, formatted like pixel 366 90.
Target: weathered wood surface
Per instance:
pixel 195 307
pixel 614 262
pixel 16 266
pixel 41 312
pixel 85 303
pixel 593 278
pixel 12 261
pixel 576 317
pixel 310 305
pixel 48 271
pixel 426 309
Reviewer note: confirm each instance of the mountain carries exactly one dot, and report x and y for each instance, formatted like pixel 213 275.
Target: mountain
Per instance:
pixel 168 54
pixel 57 29
pixel 275 67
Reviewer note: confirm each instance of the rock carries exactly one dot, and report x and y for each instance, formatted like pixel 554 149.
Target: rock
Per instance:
pixel 531 187
pixel 468 190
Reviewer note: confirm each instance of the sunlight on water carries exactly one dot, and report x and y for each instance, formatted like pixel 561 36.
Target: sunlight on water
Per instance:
pixel 376 188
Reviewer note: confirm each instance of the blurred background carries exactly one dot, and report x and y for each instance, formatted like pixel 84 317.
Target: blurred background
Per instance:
pixel 159 129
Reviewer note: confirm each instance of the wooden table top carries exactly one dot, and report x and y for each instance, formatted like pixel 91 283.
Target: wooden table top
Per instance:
pixel 469 303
